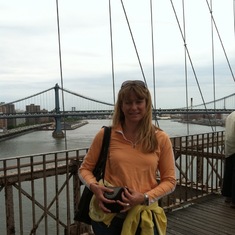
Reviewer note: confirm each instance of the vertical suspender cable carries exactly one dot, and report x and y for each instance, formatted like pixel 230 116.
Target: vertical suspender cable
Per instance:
pixel 185 65
pixel 63 107
pixel 153 61
pixel 61 72
pixel 191 62
pixel 234 17
pixel 221 42
pixel 186 73
pixel 111 44
pixel 213 59
pixel 133 40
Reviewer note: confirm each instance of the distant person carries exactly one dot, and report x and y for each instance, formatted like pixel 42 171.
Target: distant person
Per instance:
pixel 228 189
pixel 138 151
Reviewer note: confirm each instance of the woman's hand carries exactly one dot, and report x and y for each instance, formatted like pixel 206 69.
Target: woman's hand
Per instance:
pixel 131 198
pixel 99 191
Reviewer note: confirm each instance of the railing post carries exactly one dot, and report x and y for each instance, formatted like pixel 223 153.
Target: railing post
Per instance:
pixel 200 142
pixel 76 194
pixel 10 221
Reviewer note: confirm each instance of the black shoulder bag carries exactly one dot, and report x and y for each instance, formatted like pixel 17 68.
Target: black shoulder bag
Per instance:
pixel 82 213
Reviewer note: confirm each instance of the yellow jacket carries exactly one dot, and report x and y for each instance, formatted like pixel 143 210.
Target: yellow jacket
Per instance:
pixel 140 213
pixel 145 215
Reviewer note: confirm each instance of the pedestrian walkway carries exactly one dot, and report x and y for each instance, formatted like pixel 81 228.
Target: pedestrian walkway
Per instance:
pixel 207 216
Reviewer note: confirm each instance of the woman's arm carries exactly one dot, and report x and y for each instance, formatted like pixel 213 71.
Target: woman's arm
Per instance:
pixel 166 169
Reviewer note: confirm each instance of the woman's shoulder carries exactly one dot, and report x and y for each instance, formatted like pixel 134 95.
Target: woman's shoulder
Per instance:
pixel 161 133
pixel 100 132
pixel 98 138
pixel 99 135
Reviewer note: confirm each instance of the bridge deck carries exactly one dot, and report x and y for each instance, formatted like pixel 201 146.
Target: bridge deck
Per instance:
pixel 208 216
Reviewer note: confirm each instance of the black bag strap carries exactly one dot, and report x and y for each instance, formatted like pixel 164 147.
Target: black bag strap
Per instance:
pixel 100 166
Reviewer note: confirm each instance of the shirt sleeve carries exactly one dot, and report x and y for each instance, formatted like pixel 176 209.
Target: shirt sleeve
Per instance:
pixel 166 169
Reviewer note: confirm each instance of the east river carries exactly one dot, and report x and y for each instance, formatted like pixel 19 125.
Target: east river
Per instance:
pixel 42 141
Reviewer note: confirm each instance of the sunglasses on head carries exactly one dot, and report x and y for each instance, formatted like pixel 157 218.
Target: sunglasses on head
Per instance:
pixel 133 82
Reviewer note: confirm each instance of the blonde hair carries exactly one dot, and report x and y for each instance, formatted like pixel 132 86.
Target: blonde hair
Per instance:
pixel 146 132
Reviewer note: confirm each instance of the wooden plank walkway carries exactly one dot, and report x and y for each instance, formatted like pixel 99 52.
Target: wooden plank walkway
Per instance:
pixel 207 216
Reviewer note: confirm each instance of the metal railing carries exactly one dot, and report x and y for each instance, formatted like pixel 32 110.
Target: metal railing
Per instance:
pixel 199 162
pixel 39 193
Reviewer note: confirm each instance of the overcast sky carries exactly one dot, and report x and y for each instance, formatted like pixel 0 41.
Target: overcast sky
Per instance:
pixel 30 59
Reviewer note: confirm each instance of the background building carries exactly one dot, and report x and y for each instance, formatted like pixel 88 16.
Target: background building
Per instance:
pixel 3 122
pixel 32 108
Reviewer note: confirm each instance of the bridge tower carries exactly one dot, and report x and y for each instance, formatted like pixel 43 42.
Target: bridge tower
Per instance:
pixel 57 133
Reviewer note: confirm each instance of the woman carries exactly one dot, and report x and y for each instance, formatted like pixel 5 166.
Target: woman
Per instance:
pixel 138 151
pixel 228 189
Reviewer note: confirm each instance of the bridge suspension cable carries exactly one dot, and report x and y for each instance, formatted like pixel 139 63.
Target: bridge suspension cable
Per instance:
pixel 183 35
pixel 220 39
pixel 217 100
pixel 189 56
pixel 111 50
pixel 234 17
pixel 28 97
pixel 185 64
pixel 135 47
pixel 186 54
pixel 60 66
pixel 153 62
pixel 87 98
pixel 133 40
pixel 213 59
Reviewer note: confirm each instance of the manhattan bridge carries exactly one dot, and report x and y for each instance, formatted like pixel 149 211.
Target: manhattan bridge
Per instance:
pixel 59 103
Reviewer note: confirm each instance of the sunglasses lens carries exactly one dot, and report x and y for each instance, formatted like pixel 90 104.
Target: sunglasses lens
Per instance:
pixel 133 82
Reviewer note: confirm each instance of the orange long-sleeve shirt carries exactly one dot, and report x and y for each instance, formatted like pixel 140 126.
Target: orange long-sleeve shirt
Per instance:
pixel 128 166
